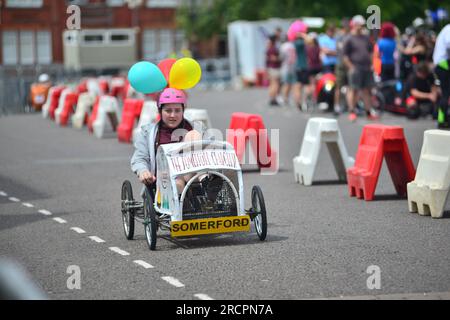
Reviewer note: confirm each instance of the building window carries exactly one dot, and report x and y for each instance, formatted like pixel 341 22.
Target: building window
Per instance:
pixel 44 47
pixel 27 55
pixel 27 47
pixel 180 41
pixel 165 43
pixel 158 44
pixel 10 54
pixel 149 47
pixel 162 3
pixel 122 37
pixel 24 3
pixel 93 39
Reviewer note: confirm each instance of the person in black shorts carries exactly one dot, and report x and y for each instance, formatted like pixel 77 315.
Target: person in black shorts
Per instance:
pixel 301 69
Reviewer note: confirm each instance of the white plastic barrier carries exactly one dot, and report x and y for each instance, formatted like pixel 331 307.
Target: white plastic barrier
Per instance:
pixel 198 115
pixel 117 81
pixel 108 107
pixel 93 87
pixel 149 114
pixel 130 93
pixel 320 130
pixel 85 102
pixel 427 194
pixel 61 102
pixel 48 102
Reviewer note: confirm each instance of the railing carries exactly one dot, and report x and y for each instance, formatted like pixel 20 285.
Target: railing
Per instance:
pixel 15 83
pixel 215 73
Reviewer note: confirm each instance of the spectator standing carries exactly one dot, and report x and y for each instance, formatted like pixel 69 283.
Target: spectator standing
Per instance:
pixel 386 48
pixel 328 49
pixel 314 64
pixel 341 69
pixel 288 57
pixel 273 65
pixel 417 48
pixel 301 67
pixel 358 52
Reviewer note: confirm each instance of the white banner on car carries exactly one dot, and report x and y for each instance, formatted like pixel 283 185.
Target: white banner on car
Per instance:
pixel 203 159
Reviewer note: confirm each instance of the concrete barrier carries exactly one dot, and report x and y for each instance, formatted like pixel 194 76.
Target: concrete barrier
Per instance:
pixel 428 193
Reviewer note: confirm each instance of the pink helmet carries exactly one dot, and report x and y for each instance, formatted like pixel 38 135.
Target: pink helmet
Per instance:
pixel 171 95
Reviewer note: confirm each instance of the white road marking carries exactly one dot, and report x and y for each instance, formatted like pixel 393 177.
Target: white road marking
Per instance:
pixel 173 281
pixel 3 194
pixel 13 199
pixel 78 230
pixel 203 296
pixel 45 212
pixel 60 220
pixel 28 205
pixel 143 264
pixel 119 251
pixel 396 296
pixel 96 239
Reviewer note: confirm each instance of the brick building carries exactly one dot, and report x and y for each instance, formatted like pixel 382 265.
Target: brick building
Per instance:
pixel 31 30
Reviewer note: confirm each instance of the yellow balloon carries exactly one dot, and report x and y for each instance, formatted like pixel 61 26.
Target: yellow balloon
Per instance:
pixel 185 74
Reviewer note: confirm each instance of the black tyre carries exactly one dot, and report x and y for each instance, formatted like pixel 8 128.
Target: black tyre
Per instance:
pixel 127 214
pixel 259 208
pixel 150 223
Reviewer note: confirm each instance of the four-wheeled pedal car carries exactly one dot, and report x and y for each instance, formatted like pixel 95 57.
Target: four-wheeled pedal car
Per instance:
pixel 212 200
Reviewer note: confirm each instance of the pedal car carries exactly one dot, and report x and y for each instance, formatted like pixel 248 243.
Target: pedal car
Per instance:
pixel 213 205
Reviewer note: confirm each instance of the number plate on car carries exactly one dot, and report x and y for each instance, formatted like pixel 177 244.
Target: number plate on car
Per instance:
pixel 209 226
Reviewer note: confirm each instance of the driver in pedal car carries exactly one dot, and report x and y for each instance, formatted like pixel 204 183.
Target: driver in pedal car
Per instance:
pixel 171 105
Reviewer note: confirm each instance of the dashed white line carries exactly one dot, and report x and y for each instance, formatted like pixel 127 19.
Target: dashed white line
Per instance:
pixel 60 220
pixel 78 230
pixel 143 264
pixel 203 296
pixel 3 194
pixel 45 212
pixel 173 281
pixel 13 199
pixel 28 205
pixel 96 239
pixel 119 251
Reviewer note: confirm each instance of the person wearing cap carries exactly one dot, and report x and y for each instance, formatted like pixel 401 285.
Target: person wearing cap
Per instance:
pixel 172 128
pixel 39 91
pixel 441 60
pixel 358 54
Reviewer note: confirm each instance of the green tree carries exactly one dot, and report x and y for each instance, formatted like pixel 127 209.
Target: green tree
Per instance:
pixel 208 18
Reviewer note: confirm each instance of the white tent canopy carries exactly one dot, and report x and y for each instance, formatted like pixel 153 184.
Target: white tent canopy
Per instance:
pixel 247 43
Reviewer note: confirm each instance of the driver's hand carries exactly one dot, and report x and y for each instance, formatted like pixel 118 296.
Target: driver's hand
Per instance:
pixel 146 177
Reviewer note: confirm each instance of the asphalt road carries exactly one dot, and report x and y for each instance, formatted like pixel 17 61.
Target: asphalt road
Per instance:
pixel 320 241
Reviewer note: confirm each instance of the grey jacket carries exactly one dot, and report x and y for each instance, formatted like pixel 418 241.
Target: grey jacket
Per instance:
pixel 144 147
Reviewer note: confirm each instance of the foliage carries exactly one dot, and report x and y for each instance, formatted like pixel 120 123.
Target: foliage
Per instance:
pixel 201 19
